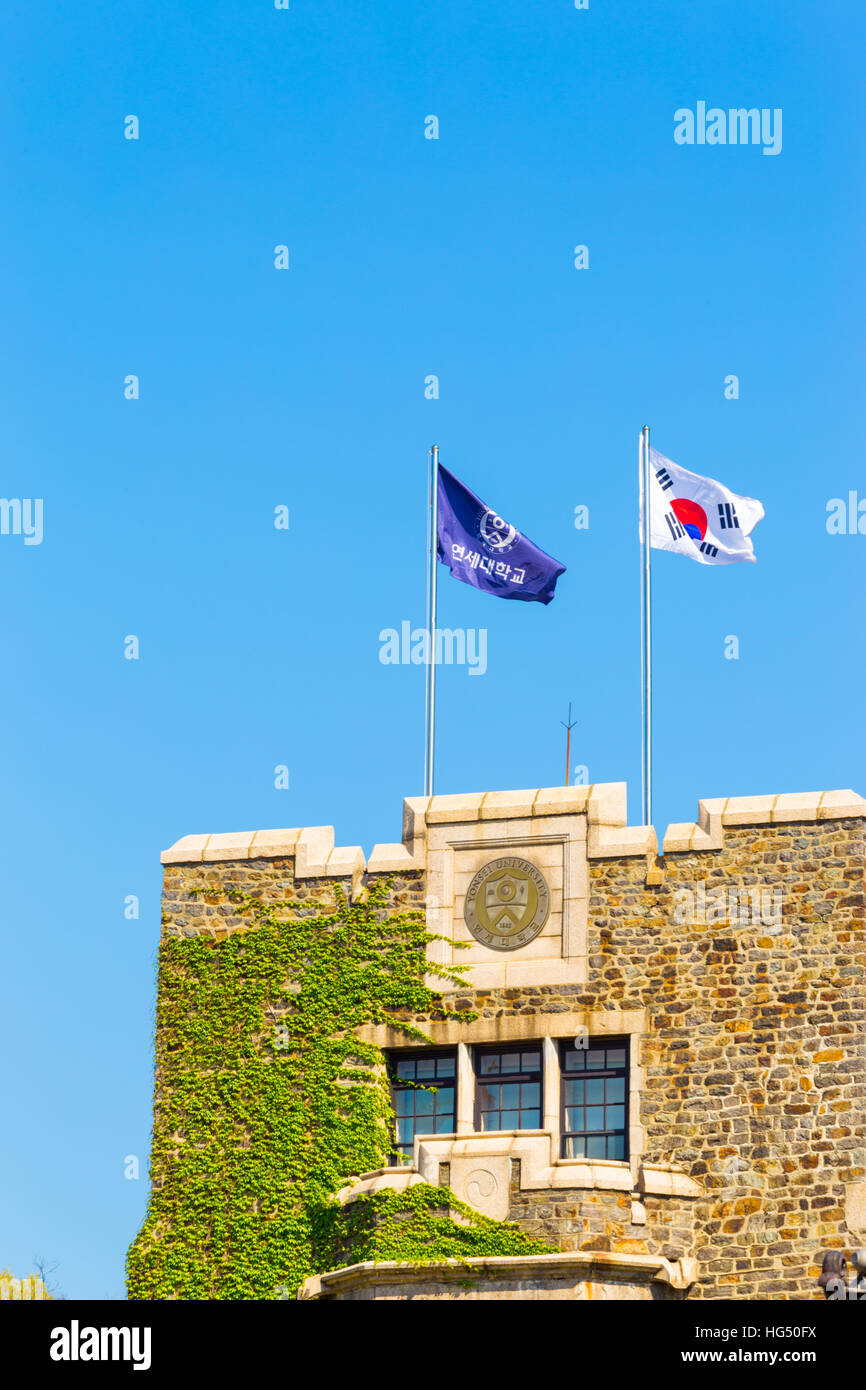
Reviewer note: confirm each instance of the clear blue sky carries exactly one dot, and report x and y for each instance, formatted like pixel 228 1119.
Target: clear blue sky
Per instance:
pixel 408 257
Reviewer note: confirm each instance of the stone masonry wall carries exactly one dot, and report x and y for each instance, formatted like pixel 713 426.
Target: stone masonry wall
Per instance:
pixel 755 1063
pixel 192 894
pixel 589 1220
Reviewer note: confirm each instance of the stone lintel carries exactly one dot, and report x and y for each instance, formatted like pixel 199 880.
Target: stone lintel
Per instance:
pixel 513 1028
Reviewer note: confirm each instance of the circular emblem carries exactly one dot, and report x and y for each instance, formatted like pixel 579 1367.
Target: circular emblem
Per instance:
pixel 507 903
pixel 496 533
pixel 691 516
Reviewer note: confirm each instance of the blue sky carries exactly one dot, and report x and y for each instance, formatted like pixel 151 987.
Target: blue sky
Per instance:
pixel 258 387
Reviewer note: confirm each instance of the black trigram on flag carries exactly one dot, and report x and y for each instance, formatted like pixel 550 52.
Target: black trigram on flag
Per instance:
pixel 728 517
pixel 706 549
pixel 676 530
pixel 664 478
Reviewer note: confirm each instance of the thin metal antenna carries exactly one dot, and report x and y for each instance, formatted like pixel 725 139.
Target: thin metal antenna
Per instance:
pixel 568 728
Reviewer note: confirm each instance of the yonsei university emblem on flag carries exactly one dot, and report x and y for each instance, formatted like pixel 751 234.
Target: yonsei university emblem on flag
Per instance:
pixel 507 903
pixel 482 549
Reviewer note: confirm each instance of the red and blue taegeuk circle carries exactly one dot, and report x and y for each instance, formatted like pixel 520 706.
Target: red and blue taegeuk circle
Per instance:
pixel 691 516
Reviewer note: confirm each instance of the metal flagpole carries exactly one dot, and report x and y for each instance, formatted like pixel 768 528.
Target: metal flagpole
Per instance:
pixel 646 628
pixel 427 623
pixel 432 542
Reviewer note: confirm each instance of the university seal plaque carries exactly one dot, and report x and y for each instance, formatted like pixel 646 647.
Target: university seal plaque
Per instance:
pixel 507 903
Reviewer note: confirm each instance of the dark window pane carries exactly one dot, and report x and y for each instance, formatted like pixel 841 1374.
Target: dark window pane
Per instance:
pixel 594 1108
pixel 424 1108
pixel 510 1103
pixel 423 1102
pixel 487 1097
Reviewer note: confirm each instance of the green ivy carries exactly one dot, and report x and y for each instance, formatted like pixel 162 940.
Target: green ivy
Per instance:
pixel 267 1102
pixel 415 1225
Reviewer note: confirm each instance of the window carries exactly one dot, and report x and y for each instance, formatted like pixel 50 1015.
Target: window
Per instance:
pixel 422 1093
pixel 508 1088
pixel 595 1100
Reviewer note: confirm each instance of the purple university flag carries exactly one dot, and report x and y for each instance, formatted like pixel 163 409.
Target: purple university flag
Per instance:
pixel 481 549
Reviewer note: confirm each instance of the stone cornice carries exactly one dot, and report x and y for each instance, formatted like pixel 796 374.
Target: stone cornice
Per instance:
pixel 579 1265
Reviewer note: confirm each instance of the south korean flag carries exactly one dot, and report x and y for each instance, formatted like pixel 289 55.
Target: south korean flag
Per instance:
pixel 697 516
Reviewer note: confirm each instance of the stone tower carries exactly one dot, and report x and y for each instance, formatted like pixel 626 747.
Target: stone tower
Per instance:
pixel 656 1066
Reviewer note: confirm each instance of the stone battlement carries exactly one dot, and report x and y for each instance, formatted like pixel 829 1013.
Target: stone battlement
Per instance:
pixel 603 804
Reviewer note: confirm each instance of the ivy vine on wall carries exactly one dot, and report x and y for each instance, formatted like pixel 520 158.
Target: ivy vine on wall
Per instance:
pixel 267 1102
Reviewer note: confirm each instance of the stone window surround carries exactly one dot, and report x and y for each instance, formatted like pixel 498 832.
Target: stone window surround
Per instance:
pixel 481 1164
pixel 541 1163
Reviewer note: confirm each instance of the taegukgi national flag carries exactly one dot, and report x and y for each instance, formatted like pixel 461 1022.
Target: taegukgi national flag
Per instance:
pixel 697 516
pixel 483 550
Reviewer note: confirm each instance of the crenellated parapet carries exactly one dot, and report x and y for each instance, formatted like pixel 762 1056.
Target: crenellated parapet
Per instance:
pixel 708 831
pixel 603 805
